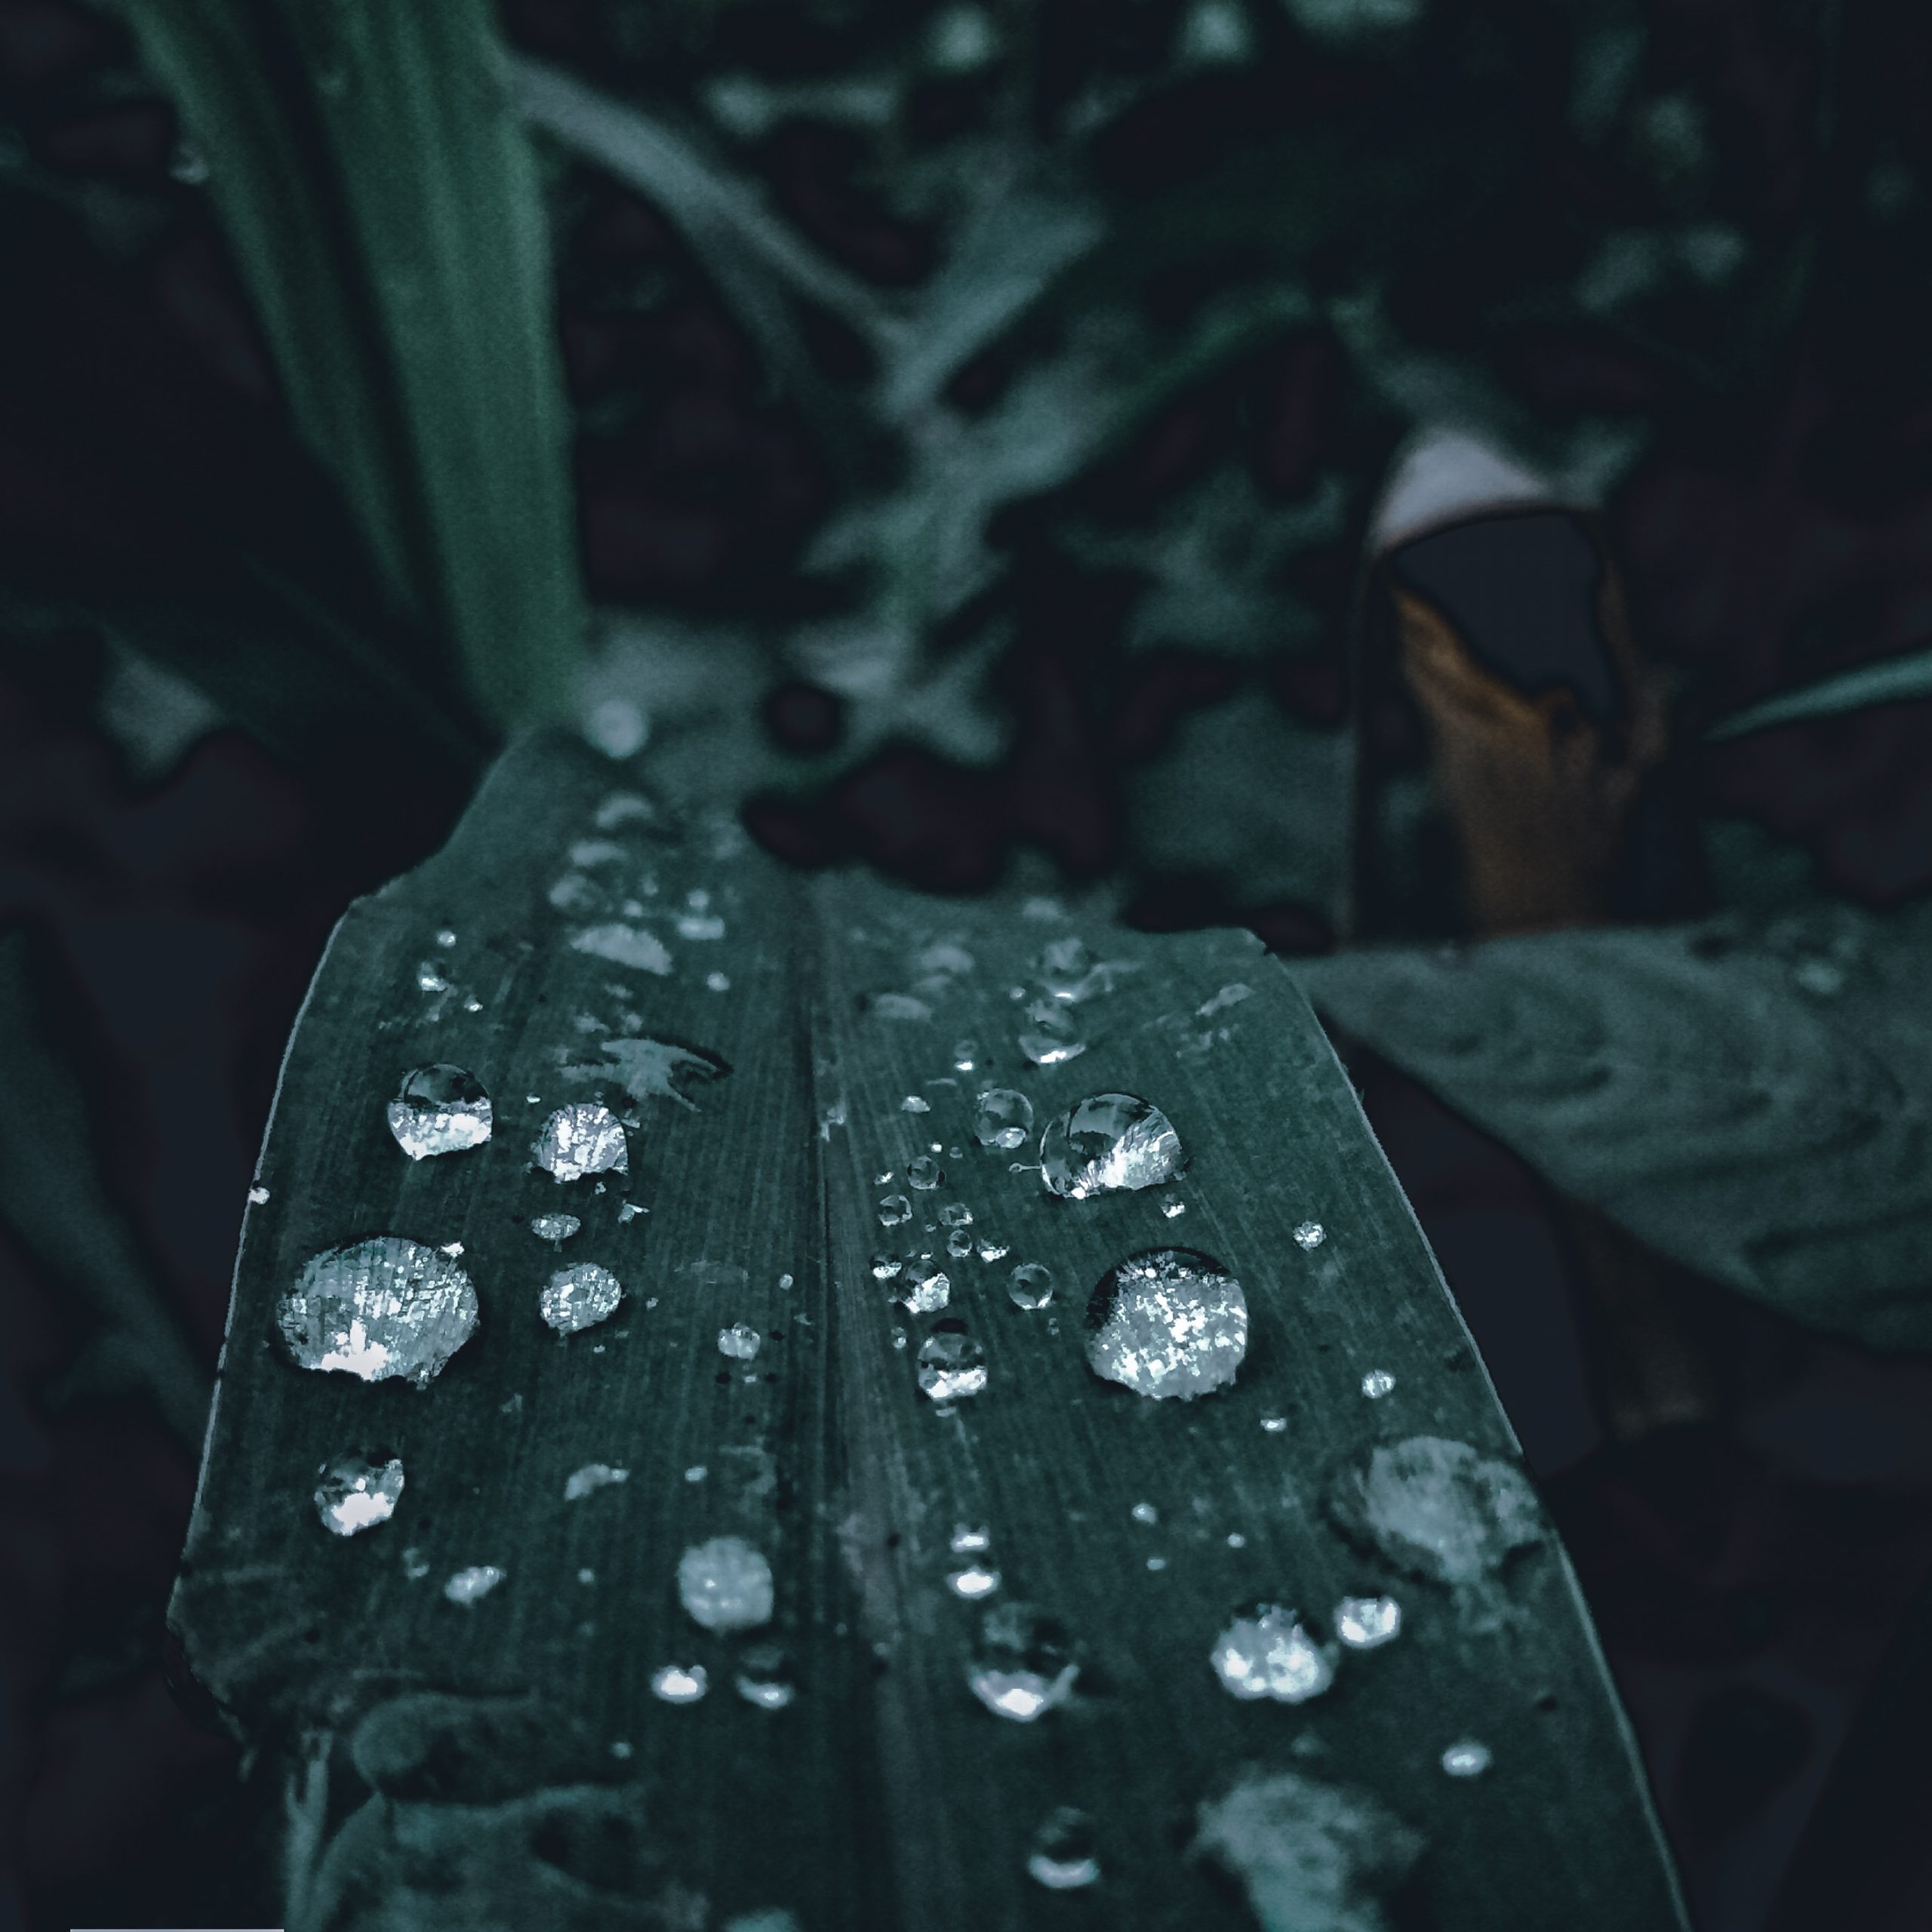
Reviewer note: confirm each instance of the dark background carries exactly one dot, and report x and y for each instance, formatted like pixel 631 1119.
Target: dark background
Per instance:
pixel 1747 1572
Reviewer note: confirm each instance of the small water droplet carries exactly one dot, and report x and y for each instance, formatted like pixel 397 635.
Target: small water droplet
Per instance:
pixel 376 1309
pixel 741 1341
pixel 1267 1651
pixel 447 937
pixel 1467 1758
pixel 952 1364
pixel 467 1586
pixel 965 1055
pixel 580 1298
pixel 1275 1425
pixel 959 1243
pixel 1023 1667
pixel 429 978
pixel 586 1576
pixel 258 1197
pixel 700 926
pixel 555 1229
pixel 1145 1512
pixel 415 1564
pixel 968 1541
pixel 899 1006
pixel 581 1138
pixel 1031 1284
pixel 975 1580
pixel 592 1476
pixel 766 1677
pixel 1174 1209
pixel 725 1585
pixel 923 1289
pixel 1167 1322
pixel 956 1214
pixel 914 1104
pixel 1157 1562
pixel 994 1251
pixel 894 1211
pixel 679 1683
pixel 1364 1622
pixel 440 1109
pixel 925 1174
pixel 1310 1235
pixel 356 1493
pixel 1050 1038
pixel 885 1266
pixel 1229 995
pixel 624 946
pixel 718 982
pixel 1062 1856
pixel 1377 1383
pixel 1236 1540
pixel 1002 1118
pixel 1109 1142
pixel 629 1211
pixel 1435 1509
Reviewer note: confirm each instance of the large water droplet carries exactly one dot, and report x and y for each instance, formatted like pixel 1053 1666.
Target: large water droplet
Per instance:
pixel 580 1298
pixel 741 1341
pixel 679 1683
pixel 478 1581
pixel 1435 1509
pixel 1109 1141
pixel 1062 1856
pixel 1167 1322
pixel 725 1584
pixel 379 1308
pixel 766 1677
pixel 1023 1666
pixel 1364 1623
pixel 951 1363
pixel 356 1493
pixel 1312 1857
pixel 1031 1284
pixel 923 1289
pixel 1003 1118
pixel 1467 1758
pixel 1050 1038
pixel 1268 1651
pixel 581 1138
pixel 555 1229
pixel 894 1211
pixel 439 1109
pixel 925 1174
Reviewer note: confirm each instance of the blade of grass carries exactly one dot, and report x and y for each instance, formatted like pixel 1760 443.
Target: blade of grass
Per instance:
pixel 1891 681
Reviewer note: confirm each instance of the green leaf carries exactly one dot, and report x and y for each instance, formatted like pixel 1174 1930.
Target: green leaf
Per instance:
pixel 1891 681
pixel 453 1763
pixel 1749 1100
pixel 381 200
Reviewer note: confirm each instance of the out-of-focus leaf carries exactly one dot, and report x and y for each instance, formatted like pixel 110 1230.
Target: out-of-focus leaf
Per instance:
pixel 380 199
pixel 51 1196
pixel 1750 1100
pixel 1889 682
pixel 789 1053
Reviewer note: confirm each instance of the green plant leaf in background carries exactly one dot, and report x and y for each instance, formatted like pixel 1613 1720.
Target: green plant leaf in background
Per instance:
pixel 1748 1098
pixel 378 190
pixel 517 1701
pixel 1888 681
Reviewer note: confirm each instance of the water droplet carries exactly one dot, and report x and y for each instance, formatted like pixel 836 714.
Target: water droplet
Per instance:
pixel 1003 1118
pixel 1031 1284
pixel 356 1494
pixel 914 1104
pixel 1267 1651
pixel 580 1298
pixel 1050 1038
pixel 429 978
pixel 696 1473
pixel 258 1197
pixel 1310 1855
pixel 467 1586
pixel 965 1055
pixel 899 1006
pixel 1228 996
pixel 555 1229
pixel 624 946
pixel 894 1211
pixel 959 1243
pixel 1236 1540
pixel 1023 1667
pixel 1157 1562
pixel 923 1289
pixel 725 1585
pixel 1145 1512
pixel 1364 1622
pixel 415 1565
pixel 741 1341
pixel 1467 1758
pixel 994 1251
pixel 1310 1235
pixel 700 926
pixel 975 1580
pixel 1109 1142
pixel 439 1109
pixel 447 937
pixel 1167 1322
pixel 1275 1425
pixel 925 1174
pixel 885 1266
pixel 379 1308
pixel 679 1683
pixel 1063 1857
pixel 718 982
pixel 956 1214
pixel 1377 1383
pixel 592 1475
pixel 1174 1209
pixel 1435 1509
pixel 968 1541
pixel 766 1677
pixel 582 1139
pixel 952 1364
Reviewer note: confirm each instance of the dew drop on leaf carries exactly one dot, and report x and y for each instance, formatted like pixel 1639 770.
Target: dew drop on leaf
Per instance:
pixel 975 1580
pixel 376 1308
pixel 1030 1285
pixel 951 1363
pixel 725 1585
pixel 885 1266
pixel 925 1174
pixel 923 1289
pixel 1167 1322
pixel 959 1243
pixel 956 1214
pixel 741 1341
pixel 1363 1623
pixel 1062 1856
pixel 1310 1235
pixel 967 1540
pixel 679 1683
pixel 1109 1142
pixel 894 1211
pixel 1049 1038
pixel 1022 1667
pixel 1377 1383
pixel 1267 1651
pixel 592 1476
pixel 356 1494
pixel 1435 1509
pixel 583 1138
pixel 468 1585
pixel 1466 1759
pixel 580 1298
pixel 1003 1118
pixel 766 1677
pixel 555 1229
pixel 439 1109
